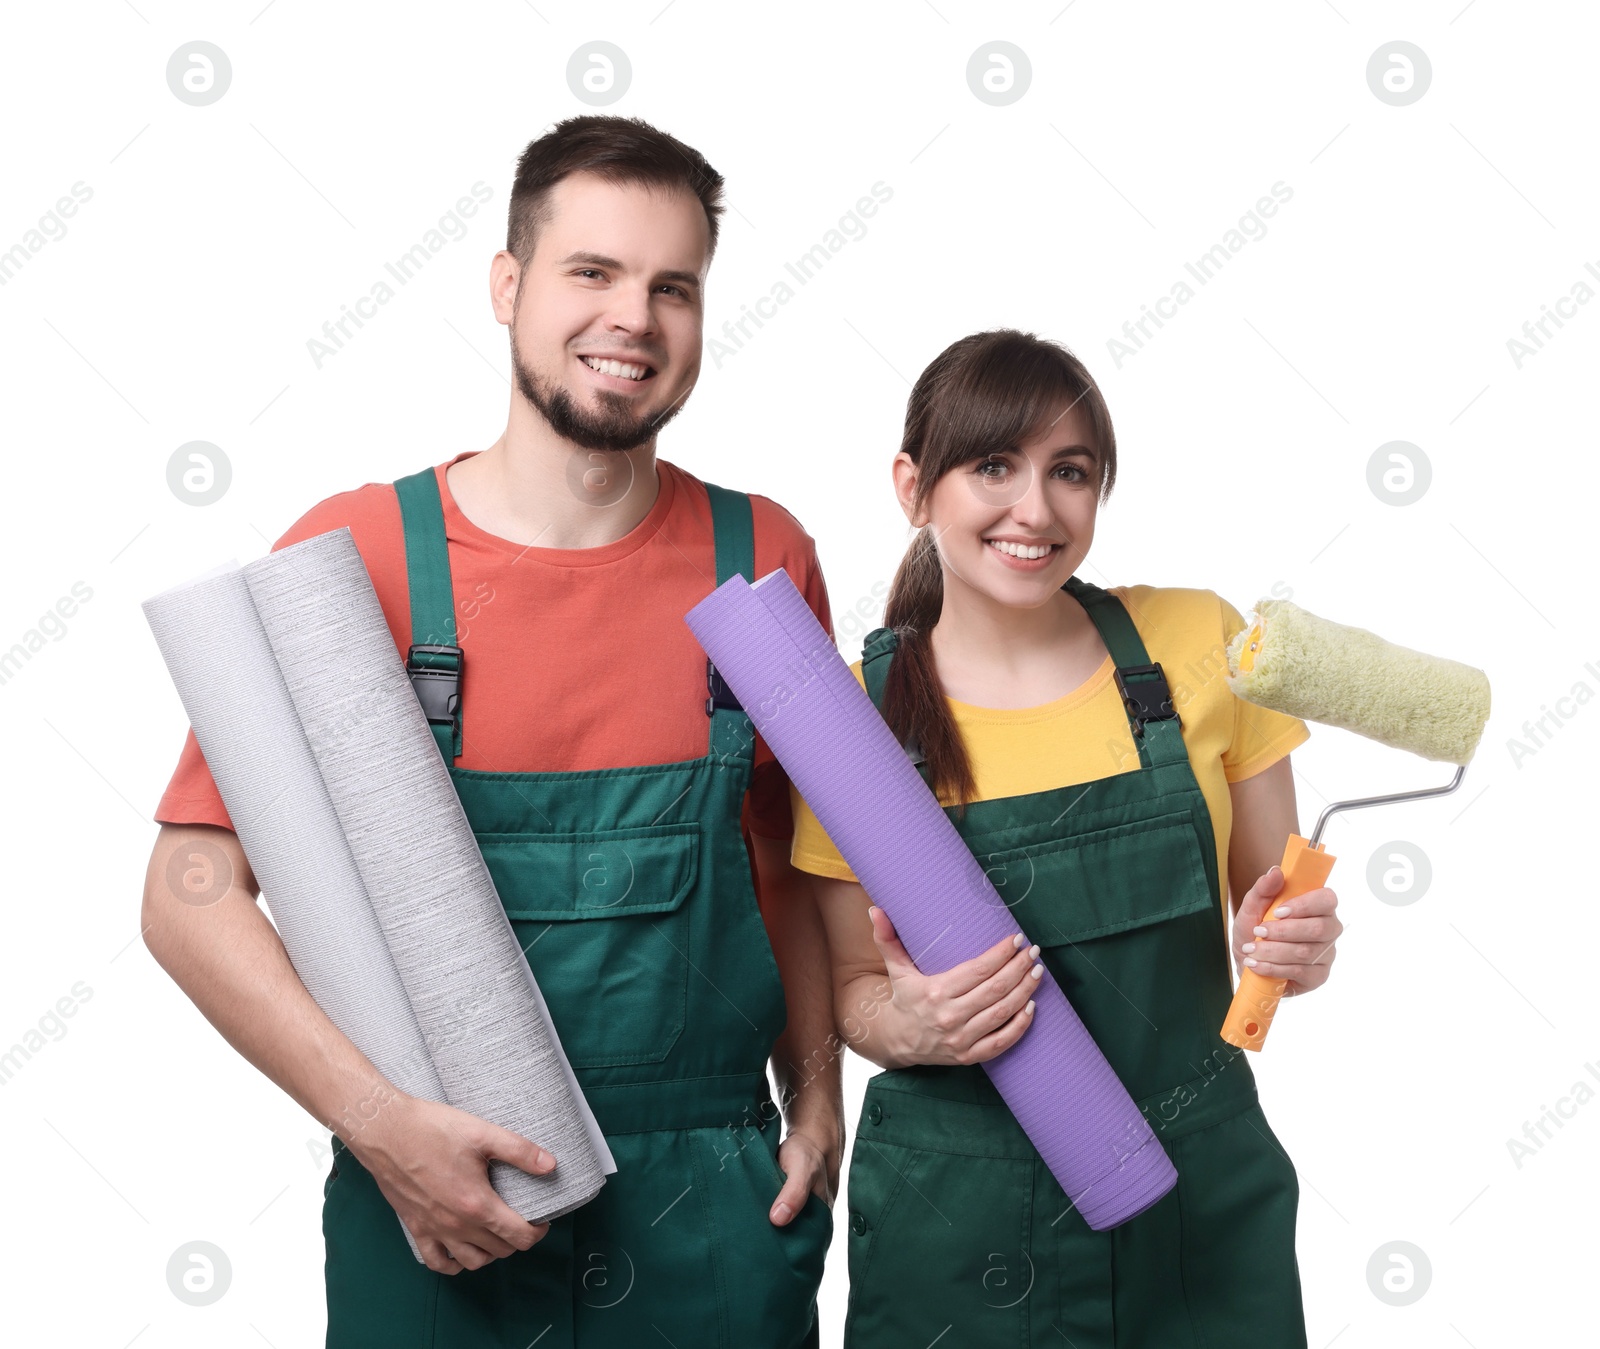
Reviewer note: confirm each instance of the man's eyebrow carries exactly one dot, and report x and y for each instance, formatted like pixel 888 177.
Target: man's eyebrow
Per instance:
pixel 601 260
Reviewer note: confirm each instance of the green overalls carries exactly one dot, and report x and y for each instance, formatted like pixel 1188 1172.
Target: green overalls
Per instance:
pixel 957 1229
pixel 631 891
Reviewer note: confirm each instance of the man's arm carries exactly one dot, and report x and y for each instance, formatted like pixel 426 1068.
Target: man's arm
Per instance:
pixel 1299 947
pixel 806 1057
pixel 427 1157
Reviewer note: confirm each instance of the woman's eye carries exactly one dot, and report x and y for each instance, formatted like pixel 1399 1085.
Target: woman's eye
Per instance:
pixel 986 464
pixel 1078 469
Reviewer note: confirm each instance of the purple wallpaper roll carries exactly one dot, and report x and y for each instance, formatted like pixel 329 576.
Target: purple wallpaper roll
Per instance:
pixel 888 826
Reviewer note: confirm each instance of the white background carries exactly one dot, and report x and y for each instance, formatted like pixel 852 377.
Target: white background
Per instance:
pixel 1377 307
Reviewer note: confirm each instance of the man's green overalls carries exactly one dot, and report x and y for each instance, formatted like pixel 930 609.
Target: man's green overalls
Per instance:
pixel 957 1229
pixel 631 891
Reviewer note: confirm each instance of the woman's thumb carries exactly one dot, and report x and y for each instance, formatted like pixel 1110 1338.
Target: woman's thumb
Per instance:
pixel 896 958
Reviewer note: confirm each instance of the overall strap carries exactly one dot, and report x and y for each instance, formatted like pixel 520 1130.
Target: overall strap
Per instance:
pixel 733 533
pixel 1146 699
pixel 1157 730
pixel 434 661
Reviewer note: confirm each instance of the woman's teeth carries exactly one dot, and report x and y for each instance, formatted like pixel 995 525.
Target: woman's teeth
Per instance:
pixel 1019 550
pixel 617 368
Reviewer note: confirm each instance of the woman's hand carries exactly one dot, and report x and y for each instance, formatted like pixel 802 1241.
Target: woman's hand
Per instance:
pixel 1297 944
pixel 968 1014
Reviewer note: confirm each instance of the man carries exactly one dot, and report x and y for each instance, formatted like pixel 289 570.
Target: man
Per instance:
pixel 584 729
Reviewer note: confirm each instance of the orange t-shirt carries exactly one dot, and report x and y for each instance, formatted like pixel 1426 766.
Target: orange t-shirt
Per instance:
pixel 574 658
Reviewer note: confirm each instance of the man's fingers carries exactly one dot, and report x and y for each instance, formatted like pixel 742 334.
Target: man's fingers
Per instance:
pixel 791 1199
pixel 469 1256
pixel 436 1257
pixel 506 1145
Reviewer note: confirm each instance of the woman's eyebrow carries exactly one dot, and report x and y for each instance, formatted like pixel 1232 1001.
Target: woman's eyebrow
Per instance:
pixel 1071 451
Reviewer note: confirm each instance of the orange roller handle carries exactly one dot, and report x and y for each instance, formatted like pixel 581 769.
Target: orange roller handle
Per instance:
pixel 1305 868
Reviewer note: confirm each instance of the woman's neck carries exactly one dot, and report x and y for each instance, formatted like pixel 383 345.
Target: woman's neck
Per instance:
pixel 1000 656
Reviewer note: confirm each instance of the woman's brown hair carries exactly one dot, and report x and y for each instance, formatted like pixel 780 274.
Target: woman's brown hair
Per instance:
pixel 984 394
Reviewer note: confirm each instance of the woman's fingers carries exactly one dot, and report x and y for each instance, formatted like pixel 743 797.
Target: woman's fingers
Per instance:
pixel 1001 988
pixel 988 1046
pixel 1299 947
pixel 984 1020
pixel 998 964
pixel 1292 946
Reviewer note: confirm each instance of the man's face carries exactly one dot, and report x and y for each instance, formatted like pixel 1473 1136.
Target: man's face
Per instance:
pixel 605 327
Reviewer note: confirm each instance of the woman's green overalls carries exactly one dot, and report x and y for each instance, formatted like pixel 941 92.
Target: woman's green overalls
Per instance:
pixel 631 891
pixel 958 1233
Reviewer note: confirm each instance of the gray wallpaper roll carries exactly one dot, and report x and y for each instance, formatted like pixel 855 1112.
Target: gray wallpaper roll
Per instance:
pixel 217 654
pixel 464 972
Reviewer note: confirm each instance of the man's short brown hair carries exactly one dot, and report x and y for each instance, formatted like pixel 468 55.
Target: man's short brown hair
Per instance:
pixel 618 149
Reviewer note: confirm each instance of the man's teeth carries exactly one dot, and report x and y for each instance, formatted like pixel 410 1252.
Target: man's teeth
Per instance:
pixel 616 368
pixel 1018 550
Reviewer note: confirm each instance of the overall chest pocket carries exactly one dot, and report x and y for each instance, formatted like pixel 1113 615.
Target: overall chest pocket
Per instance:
pixel 603 920
pixel 1127 924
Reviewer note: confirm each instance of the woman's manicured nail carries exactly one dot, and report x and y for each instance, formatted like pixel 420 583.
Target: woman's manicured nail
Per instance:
pixel 1281 913
pixel 1029 1008
pixel 1033 951
pixel 1249 961
pixel 1261 931
pixel 1248 947
pixel 1019 941
pixel 782 1212
pixel 1037 972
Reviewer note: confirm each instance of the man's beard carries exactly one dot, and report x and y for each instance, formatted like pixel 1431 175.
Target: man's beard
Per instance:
pixel 613 427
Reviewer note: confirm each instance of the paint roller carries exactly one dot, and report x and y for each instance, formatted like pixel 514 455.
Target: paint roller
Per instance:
pixel 1291 661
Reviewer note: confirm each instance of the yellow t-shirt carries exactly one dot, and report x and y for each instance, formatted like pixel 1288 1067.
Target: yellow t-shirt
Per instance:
pixel 1085 735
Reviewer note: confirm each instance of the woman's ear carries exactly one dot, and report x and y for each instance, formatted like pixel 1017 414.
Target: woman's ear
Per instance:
pixel 905 489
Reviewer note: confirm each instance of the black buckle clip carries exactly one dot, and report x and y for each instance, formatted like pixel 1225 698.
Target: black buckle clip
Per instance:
pixel 721 694
pixel 1148 700
pixel 438 690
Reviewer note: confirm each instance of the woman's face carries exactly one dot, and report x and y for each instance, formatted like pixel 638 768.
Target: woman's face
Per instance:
pixel 1013 527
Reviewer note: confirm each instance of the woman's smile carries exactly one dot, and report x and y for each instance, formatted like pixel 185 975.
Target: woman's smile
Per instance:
pixel 1032 555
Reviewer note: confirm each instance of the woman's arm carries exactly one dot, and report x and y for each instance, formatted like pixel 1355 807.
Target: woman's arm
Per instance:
pixel 894 1016
pixel 1298 945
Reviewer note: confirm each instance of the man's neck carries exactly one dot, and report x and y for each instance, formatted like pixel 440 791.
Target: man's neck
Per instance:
pixel 534 488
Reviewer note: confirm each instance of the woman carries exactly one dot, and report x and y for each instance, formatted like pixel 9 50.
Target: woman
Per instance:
pixel 1106 828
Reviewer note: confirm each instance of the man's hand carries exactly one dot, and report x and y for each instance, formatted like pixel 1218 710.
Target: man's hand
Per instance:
pixel 431 1162
pixel 806 1166
pixel 1297 944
